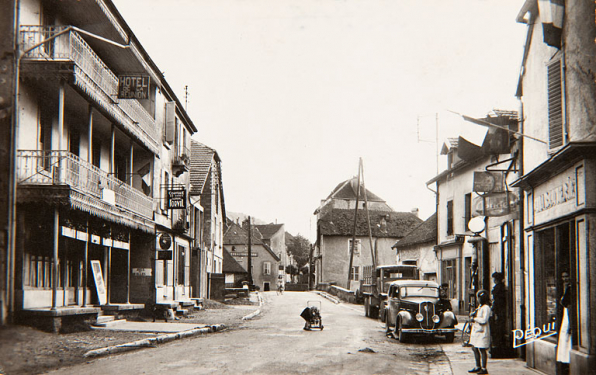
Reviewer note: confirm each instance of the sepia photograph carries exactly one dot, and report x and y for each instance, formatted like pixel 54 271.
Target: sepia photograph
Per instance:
pixel 297 187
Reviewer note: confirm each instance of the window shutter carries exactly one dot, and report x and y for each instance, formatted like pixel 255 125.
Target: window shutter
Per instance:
pixel 555 105
pixel 170 121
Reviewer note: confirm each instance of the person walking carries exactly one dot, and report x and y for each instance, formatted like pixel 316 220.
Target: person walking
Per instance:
pixel 480 336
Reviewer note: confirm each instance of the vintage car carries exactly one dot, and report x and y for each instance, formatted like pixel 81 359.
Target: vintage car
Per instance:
pixel 412 308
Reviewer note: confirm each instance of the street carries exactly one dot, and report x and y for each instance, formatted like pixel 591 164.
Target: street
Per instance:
pixel 275 343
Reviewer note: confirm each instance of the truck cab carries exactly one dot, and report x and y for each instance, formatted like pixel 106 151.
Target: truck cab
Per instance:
pixel 374 286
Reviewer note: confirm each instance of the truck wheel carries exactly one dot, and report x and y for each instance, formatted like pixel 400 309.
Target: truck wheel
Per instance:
pixel 401 335
pixel 373 312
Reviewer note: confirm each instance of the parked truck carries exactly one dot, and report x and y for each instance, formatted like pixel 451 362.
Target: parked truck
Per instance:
pixel 374 285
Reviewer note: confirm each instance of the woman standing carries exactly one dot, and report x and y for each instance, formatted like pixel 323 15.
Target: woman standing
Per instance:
pixel 480 336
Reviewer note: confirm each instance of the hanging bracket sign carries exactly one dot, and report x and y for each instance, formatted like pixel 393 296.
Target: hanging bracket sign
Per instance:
pixel 176 199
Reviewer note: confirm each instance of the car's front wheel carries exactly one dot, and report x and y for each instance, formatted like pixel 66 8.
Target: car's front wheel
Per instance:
pixel 449 337
pixel 399 332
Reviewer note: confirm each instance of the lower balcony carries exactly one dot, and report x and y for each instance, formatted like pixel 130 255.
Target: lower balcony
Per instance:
pixel 62 176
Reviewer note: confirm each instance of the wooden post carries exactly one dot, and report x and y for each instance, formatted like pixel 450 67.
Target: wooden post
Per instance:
pixel 355 225
pixel 55 259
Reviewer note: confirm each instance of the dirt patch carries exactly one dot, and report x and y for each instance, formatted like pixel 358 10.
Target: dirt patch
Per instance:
pixel 25 350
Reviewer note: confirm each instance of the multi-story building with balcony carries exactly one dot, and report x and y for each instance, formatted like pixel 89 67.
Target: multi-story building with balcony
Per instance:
pixel 101 168
pixel 557 91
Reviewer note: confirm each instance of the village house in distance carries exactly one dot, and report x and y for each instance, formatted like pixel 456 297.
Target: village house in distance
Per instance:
pixel 335 231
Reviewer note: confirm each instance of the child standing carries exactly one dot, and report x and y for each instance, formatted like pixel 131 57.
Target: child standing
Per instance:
pixel 480 336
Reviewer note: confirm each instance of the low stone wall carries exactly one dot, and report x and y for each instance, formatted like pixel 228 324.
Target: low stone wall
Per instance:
pixel 296 287
pixel 341 293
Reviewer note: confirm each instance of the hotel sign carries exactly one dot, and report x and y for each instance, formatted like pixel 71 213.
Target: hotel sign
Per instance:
pixel 133 86
pixel 496 204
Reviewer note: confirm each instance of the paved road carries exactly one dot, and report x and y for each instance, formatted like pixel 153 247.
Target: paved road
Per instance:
pixel 275 343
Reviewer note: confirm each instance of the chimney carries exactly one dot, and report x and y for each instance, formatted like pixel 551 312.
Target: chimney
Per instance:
pixel 415 211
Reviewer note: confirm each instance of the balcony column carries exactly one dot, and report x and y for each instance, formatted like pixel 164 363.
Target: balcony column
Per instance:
pixel 61 94
pixel 85 262
pixel 130 164
pixel 90 137
pixel 55 258
pixel 112 150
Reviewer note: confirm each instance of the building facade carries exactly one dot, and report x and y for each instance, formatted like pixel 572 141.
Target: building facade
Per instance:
pixel 557 91
pixel 335 235
pixel 100 212
pixel 418 248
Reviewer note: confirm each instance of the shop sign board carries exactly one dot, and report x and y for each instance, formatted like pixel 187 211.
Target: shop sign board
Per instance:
pixel 489 182
pixel 135 86
pixel 496 204
pixel 165 255
pixel 559 196
pixel 176 199
pixel 102 294
pixel 244 254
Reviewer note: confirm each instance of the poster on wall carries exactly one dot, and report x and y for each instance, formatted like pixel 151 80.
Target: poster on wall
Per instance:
pixel 99 284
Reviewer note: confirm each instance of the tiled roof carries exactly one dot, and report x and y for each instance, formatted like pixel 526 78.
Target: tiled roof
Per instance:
pixel 236 235
pixel 348 189
pixel 424 233
pixel 201 161
pixel 340 222
pixel 230 265
pixel 269 230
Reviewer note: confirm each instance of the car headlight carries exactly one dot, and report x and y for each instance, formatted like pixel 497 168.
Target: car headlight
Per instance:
pixel 436 318
pixel 419 317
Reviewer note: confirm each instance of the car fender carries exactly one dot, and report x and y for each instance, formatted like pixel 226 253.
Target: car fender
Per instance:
pixel 406 318
pixel 449 319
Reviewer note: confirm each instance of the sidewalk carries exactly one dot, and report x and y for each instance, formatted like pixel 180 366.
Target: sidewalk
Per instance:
pixel 461 359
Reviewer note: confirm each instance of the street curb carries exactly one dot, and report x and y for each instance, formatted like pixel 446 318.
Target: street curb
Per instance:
pixel 151 342
pixel 256 312
pixel 329 297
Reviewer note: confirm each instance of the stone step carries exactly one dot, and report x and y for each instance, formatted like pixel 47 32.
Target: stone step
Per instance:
pixel 109 323
pixel 104 318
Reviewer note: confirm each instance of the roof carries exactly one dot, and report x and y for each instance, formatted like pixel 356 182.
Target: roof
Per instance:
pixel 269 230
pixel 230 265
pixel 415 283
pixel 347 190
pixel 423 233
pixel 236 235
pixel 201 161
pixel 340 222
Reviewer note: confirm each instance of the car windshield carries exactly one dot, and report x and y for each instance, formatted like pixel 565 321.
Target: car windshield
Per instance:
pixel 419 291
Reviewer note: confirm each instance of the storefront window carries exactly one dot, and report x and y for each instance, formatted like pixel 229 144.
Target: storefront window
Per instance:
pixel 553 256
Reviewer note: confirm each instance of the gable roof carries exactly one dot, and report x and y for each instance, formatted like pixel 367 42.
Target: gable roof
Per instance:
pixel 269 230
pixel 201 161
pixel 236 235
pixel 230 265
pixel 340 222
pixel 348 190
pixel 426 232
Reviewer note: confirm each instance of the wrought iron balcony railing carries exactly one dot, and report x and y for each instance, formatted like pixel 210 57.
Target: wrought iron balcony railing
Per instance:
pixel 64 168
pixel 72 47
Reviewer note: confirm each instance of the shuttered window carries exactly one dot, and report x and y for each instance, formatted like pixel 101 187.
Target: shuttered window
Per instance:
pixel 555 105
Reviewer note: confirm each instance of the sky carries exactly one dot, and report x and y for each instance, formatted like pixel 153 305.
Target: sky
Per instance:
pixel 293 93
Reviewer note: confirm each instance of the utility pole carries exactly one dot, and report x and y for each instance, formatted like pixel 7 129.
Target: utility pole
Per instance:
pixel 249 256
pixel 355 225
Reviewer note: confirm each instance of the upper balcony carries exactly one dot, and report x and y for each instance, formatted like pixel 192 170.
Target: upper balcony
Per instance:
pixel 92 76
pixel 96 190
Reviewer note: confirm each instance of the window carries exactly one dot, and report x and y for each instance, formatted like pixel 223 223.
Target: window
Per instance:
pixel 181 265
pixel 170 123
pixel 356 248
pixel 554 250
pixel 449 276
pixel 449 218
pixel 266 268
pixel 468 210
pixel 556 136
pixel 355 273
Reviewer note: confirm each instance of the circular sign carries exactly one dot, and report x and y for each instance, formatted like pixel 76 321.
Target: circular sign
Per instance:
pixel 165 241
pixel 476 224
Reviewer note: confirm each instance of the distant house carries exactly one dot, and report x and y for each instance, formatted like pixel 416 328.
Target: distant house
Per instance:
pixel 264 261
pixel 274 235
pixel 417 248
pixel 234 273
pixel 335 231
pixel 207 199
